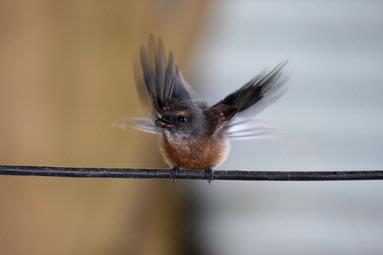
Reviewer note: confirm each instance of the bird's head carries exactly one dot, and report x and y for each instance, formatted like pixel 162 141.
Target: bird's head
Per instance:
pixel 181 121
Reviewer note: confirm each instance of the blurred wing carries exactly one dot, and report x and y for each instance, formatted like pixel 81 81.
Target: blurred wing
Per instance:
pixel 249 128
pixel 263 87
pixel 158 78
pixel 261 91
pixel 139 123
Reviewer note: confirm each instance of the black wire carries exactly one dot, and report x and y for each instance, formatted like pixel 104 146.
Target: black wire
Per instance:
pixel 79 172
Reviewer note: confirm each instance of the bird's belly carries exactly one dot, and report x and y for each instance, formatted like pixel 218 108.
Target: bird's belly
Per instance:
pixel 195 153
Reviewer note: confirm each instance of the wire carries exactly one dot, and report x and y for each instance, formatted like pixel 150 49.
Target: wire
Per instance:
pixel 78 172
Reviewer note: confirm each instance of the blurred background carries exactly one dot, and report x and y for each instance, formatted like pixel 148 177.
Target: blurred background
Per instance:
pixel 66 75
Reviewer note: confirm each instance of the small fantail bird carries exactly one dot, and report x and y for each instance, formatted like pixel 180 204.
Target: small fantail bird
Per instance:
pixel 194 135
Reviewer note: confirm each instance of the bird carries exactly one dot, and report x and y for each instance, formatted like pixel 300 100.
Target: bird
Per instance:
pixel 194 135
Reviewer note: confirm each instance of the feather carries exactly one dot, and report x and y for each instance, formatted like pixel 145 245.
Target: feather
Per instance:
pixel 264 87
pixel 159 76
pixel 262 90
pixel 139 123
pixel 249 128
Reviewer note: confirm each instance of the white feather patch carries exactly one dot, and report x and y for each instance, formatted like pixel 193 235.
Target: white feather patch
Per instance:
pixel 249 128
pixel 139 123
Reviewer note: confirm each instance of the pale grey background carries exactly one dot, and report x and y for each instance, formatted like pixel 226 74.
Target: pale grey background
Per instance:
pixel 331 119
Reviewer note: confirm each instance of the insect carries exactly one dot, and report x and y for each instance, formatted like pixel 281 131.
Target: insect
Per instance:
pixel 192 134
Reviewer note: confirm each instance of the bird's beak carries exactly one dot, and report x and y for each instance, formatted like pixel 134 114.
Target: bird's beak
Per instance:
pixel 162 123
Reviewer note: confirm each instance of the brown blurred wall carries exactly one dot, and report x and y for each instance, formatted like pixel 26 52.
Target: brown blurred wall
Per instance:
pixel 65 76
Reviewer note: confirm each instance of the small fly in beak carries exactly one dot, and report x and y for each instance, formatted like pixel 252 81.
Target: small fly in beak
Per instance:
pixel 162 122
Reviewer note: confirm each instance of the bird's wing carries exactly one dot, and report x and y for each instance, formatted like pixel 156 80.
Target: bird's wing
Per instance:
pixel 158 78
pixel 259 92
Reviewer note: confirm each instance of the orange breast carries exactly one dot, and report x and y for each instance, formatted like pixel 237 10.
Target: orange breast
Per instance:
pixel 196 153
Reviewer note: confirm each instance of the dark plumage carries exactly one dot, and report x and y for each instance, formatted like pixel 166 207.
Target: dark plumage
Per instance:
pixel 160 77
pixel 264 87
pixel 264 84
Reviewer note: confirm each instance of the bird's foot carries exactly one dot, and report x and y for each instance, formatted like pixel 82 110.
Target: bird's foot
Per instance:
pixel 209 174
pixel 174 172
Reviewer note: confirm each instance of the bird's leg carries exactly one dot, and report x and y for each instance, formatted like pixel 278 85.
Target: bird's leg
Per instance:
pixel 209 174
pixel 174 172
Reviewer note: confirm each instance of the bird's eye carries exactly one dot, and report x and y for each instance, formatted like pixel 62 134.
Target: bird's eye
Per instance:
pixel 181 119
